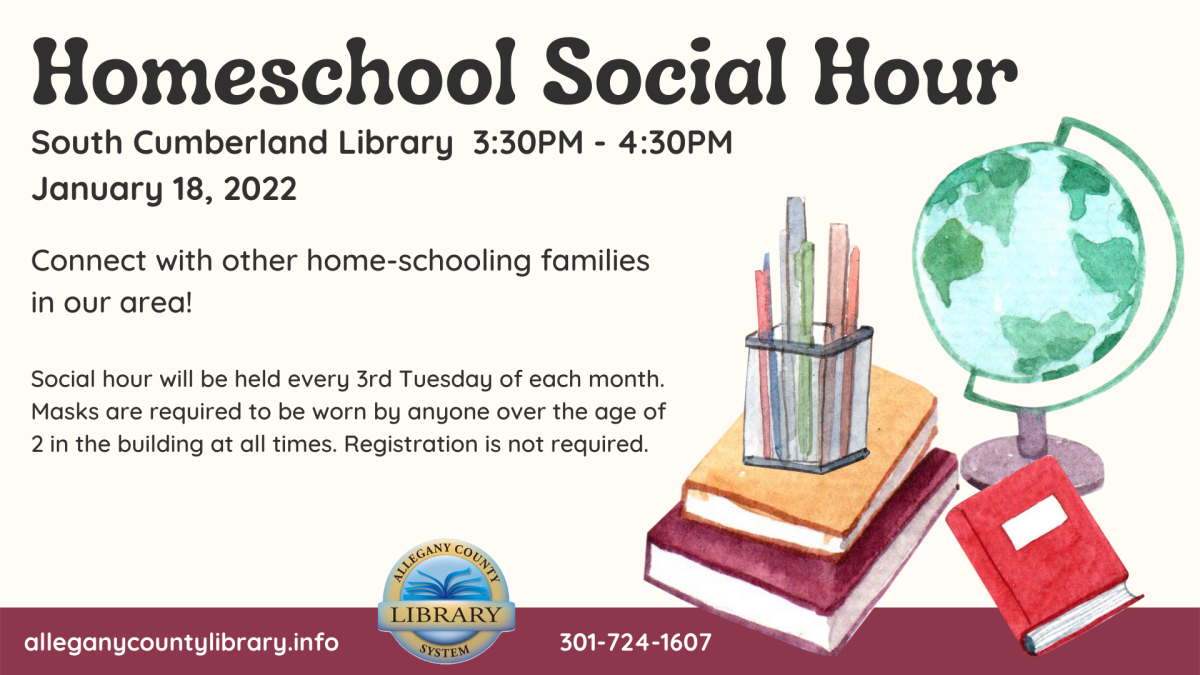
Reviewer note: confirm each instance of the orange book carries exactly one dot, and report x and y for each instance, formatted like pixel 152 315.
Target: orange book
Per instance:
pixel 817 514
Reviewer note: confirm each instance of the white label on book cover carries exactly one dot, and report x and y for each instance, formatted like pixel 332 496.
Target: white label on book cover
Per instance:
pixel 1034 522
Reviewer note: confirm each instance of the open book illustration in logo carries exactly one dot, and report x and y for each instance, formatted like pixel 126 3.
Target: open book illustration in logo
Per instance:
pixel 1029 263
pixel 1042 556
pixel 446 601
pixel 435 589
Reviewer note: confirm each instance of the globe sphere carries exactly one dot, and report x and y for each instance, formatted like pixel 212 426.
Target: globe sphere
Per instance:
pixel 1029 263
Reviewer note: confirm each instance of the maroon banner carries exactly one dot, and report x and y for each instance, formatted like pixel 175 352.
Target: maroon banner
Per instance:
pixel 308 640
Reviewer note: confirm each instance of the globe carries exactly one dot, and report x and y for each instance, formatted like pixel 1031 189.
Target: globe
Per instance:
pixel 1029 263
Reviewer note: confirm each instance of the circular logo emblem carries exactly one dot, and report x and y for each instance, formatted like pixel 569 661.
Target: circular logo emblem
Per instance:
pixel 446 601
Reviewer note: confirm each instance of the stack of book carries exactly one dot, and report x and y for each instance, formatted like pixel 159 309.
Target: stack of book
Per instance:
pixel 800 556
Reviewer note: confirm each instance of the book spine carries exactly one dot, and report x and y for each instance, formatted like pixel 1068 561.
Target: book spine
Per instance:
pixel 1018 621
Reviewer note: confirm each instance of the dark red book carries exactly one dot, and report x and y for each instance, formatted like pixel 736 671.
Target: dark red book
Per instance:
pixel 1042 557
pixel 813 602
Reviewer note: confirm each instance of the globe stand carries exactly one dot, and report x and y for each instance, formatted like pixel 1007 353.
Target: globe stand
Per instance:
pixel 992 461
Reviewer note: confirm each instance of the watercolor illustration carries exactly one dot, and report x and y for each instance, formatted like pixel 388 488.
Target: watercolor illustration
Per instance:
pixel 797 521
pixel 1029 263
pixel 1042 557
pixel 807 399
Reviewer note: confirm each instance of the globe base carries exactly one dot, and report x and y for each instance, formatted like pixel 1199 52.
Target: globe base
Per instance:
pixel 992 461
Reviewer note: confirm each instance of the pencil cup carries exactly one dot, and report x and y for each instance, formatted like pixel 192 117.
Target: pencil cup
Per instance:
pixel 807 403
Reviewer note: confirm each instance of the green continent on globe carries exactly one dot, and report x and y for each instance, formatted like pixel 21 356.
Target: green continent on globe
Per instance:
pixel 995 177
pixel 1106 345
pixel 1111 265
pixel 952 255
pixel 1083 179
pixel 1039 343
pixel 1129 216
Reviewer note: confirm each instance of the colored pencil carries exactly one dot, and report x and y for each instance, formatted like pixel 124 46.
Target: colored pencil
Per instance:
pixel 805 276
pixel 763 293
pixel 785 287
pixel 835 313
pixel 849 325
pixel 791 241
pixel 787 371
pixel 777 420
pixel 797 236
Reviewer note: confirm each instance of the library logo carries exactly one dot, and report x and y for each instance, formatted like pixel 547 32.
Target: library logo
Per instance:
pixel 446 601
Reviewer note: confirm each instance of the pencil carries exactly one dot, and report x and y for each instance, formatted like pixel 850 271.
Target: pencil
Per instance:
pixel 791 241
pixel 787 372
pixel 773 373
pixel 835 317
pixel 763 293
pixel 805 276
pixel 849 325
pixel 797 235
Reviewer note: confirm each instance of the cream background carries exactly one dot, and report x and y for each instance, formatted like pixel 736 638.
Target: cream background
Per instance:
pixel 322 531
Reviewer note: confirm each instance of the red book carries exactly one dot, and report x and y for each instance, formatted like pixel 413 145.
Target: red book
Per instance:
pixel 813 602
pixel 1041 556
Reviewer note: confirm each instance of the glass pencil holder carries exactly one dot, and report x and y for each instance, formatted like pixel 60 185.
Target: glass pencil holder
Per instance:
pixel 807 402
